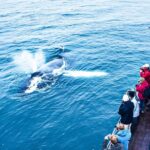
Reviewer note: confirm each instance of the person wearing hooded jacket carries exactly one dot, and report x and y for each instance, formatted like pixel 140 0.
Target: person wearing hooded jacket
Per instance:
pixel 114 144
pixel 145 72
pixel 140 88
pixel 119 140
pixel 126 110
pixel 123 135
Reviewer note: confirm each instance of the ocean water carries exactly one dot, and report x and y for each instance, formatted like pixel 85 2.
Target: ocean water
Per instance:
pixel 77 111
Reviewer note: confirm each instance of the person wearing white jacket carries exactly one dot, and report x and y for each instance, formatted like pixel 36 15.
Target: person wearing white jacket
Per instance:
pixel 136 111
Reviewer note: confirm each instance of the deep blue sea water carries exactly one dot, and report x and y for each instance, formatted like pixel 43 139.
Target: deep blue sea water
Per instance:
pixel 74 113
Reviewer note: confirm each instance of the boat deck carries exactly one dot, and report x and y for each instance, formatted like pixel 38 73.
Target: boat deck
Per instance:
pixel 141 137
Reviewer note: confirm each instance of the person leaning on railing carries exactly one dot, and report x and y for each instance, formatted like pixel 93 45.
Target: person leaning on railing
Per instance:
pixel 140 88
pixel 114 144
pixel 136 111
pixel 123 135
pixel 145 72
pixel 126 111
pixel 119 140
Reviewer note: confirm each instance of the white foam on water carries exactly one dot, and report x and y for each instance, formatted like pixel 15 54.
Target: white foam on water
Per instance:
pixel 28 62
pixel 33 85
pixel 85 74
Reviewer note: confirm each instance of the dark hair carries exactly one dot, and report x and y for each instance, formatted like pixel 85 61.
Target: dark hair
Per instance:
pixel 131 94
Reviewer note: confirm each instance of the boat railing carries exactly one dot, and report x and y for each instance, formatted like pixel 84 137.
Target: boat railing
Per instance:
pixel 115 129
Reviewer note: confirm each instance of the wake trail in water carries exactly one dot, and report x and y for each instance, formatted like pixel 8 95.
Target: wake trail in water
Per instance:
pixel 84 74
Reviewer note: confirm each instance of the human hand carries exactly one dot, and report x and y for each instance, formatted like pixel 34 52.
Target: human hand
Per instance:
pixel 107 137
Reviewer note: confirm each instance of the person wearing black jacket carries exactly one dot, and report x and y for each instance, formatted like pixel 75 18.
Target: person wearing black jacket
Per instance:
pixel 126 110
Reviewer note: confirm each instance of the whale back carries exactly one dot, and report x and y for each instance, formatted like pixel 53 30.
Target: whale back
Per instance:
pixel 46 75
pixel 52 65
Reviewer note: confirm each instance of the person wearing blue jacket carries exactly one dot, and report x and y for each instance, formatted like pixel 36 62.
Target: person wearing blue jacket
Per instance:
pixel 123 135
pixel 114 144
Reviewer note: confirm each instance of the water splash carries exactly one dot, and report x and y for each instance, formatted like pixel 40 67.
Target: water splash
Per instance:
pixel 28 62
pixel 86 74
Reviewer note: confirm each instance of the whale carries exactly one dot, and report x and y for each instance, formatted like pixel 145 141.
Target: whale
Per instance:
pixel 42 75
pixel 46 74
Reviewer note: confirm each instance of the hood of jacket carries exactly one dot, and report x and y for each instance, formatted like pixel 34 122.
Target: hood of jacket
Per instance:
pixel 124 134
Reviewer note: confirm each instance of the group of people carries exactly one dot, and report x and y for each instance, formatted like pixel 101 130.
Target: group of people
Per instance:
pixel 134 103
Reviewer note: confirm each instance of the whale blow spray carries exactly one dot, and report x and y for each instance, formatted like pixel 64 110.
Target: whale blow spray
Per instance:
pixel 28 62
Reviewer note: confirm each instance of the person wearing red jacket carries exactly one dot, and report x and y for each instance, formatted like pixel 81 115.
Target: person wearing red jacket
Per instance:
pixel 145 72
pixel 140 88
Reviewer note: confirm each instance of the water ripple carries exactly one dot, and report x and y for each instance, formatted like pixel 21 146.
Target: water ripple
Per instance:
pixel 106 36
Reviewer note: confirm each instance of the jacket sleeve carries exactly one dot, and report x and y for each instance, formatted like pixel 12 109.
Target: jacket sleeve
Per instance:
pixel 139 88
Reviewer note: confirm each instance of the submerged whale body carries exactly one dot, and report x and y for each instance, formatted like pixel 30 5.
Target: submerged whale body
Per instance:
pixel 45 75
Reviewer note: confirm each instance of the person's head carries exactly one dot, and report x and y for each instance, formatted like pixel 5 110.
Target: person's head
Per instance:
pixel 145 66
pixel 113 139
pixel 131 94
pixel 125 98
pixel 120 126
